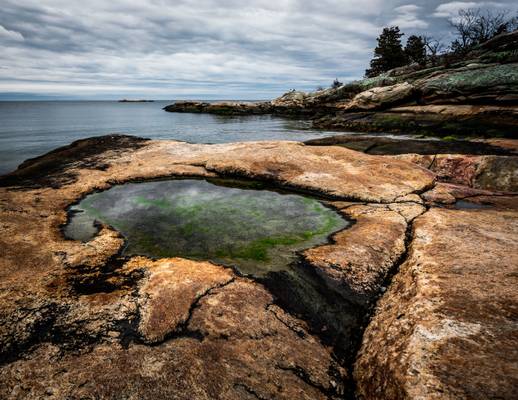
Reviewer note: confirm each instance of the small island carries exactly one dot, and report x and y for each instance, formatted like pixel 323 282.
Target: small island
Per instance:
pixel 135 101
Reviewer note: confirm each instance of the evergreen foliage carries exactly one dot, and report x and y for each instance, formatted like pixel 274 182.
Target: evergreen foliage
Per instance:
pixel 415 50
pixel 389 53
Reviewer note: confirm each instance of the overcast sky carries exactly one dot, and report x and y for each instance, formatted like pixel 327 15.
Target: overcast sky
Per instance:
pixel 203 49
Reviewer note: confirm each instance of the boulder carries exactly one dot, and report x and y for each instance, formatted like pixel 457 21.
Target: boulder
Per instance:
pixel 381 97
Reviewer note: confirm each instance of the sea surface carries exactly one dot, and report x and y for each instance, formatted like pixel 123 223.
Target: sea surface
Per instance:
pixel 32 128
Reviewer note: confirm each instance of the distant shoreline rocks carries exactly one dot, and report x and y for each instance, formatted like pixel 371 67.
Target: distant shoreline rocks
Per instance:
pixel 476 96
pixel 136 101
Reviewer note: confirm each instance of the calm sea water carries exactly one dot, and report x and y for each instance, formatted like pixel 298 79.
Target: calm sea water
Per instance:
pixel 29 129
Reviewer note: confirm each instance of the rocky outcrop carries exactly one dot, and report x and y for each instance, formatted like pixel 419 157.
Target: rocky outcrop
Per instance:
pixel 485 164
pixel 360 258
pixel 433 120
pixel 475 82
pixel 332 171
pixel 81 321
pixel 78 320
pixel 473 95
pixel 381 97
pixel 222 108
pixel 446 328
pixel 390 145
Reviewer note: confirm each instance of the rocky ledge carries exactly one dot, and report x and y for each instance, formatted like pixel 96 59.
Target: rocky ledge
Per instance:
pixel 428 267
pixel 477 95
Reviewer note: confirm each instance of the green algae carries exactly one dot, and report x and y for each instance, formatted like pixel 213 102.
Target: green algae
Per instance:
pixel 239 224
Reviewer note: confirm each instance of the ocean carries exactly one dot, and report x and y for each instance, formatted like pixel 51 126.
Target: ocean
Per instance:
pixel 32 128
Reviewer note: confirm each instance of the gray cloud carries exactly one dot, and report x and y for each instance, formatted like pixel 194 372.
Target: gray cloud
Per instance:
pixel 409 17
pixel 205 48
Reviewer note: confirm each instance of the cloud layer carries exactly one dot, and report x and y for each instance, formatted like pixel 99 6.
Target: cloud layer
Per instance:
pixel 198 49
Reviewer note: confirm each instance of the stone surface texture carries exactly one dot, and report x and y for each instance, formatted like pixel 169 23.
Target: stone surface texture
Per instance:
pixel 359 258
pixel 446 328
pixel 81 321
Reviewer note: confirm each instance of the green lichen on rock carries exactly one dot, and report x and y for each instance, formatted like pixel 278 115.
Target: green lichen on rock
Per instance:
pixel 380 80
pixel 469 80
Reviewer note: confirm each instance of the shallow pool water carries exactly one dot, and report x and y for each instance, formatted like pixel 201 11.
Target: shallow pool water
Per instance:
pixel 254 229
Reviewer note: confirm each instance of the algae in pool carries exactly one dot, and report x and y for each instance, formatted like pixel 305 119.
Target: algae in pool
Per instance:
pixel 255 230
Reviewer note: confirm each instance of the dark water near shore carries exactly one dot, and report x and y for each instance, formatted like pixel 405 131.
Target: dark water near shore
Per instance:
pixel 29 129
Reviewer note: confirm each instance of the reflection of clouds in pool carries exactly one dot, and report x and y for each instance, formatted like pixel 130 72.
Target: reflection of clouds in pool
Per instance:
pixel 198 219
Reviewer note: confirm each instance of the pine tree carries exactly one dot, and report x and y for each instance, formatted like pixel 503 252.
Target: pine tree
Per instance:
pixel 388 54
pixel 415 49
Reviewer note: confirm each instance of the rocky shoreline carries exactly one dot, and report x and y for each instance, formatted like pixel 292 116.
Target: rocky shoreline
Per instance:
pixel 477 96
pixel 429 268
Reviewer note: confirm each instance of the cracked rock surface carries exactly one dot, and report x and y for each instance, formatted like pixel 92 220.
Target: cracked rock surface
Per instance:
pixel 81 321
pixel 446 328
pixel 359 259
pixel 213 335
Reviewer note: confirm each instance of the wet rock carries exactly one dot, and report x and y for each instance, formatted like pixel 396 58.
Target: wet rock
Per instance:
pixel 48 170
pixel 433 120
pixel 405 146
pixel 446 326
pixel 507 144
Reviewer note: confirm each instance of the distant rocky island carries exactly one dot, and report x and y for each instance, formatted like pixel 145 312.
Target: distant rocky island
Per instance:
pixel 135 101
pixel 475 95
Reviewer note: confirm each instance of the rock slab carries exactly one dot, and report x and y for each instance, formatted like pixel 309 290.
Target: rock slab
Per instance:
pixel 447 327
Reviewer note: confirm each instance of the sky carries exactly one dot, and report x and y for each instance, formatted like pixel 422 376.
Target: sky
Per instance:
pixel 204 49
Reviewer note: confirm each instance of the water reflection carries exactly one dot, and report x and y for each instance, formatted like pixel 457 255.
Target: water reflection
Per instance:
pixel 256 230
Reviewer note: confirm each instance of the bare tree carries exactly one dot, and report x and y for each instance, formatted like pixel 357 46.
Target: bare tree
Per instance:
pixel 474 26
pixel 434 47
